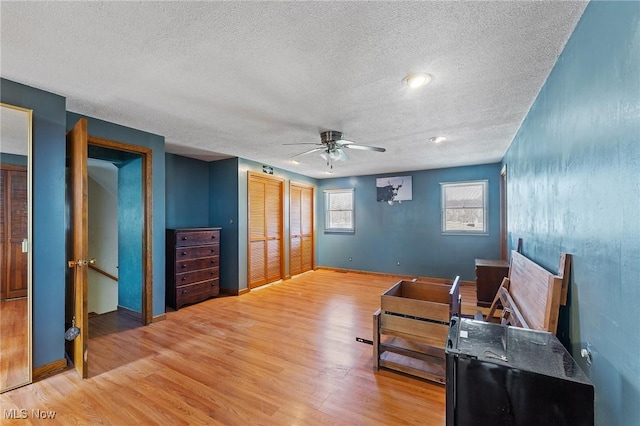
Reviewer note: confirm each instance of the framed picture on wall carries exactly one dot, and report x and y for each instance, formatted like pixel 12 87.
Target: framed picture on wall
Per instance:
pixel 390 189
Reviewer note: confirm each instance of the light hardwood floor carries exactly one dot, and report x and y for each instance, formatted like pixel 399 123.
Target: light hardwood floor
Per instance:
pixel 284 354
pixel 14 365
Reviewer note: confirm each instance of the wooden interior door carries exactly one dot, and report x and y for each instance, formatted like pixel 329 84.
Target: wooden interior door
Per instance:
pixel 301 233
pixel 265 229
pixel 77 186
pixel 14 226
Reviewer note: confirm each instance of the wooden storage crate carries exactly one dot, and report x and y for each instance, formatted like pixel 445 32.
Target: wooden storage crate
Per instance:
pixel 410 328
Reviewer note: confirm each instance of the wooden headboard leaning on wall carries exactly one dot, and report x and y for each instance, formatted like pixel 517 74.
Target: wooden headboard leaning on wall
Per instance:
pixel 531 296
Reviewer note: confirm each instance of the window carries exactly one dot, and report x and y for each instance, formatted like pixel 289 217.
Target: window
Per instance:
pixel 338 210
pixel 464 207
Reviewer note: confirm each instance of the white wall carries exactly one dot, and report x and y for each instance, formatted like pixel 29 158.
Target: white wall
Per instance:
pixel 103 236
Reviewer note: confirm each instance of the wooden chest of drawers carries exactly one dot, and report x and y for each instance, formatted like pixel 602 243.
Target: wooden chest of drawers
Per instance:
pixel 193 265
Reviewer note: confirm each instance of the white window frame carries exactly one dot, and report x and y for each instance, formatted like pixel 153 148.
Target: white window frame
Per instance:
pixel 327 225
pixel 485 208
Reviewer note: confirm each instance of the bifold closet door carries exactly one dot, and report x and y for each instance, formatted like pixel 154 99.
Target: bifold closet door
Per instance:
pixel 265 229
pixel 13 231
pixel 300 228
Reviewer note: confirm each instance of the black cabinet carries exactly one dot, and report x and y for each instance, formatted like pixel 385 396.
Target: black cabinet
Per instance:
pixel 501 375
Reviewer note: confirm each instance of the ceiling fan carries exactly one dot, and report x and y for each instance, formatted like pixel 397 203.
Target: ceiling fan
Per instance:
pixel 332 147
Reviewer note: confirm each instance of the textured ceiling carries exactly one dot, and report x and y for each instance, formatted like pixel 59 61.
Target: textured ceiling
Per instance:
pixel 243 78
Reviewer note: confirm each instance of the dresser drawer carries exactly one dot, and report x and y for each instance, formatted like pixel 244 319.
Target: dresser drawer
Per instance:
pixel 196 264
pixel 194 293
pixel 196 238
pixel 195 276
pixel 196 252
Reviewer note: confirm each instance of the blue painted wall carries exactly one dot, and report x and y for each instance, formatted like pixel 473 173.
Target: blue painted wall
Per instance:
pixel 223 213
pixel 227 207
pixel 409 232
pixel 49 147
pixel 574 185
pixel 202 194
pixel 130 235
pixel 187 192
pixel 131 136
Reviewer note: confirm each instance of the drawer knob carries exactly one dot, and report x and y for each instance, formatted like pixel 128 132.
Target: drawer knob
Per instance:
pixel 184 253
pixel 184 266
pixel 213 273
pixel 184 291
pixel 213 237
pixel 213 284
pixel 184 238
pixel 184 278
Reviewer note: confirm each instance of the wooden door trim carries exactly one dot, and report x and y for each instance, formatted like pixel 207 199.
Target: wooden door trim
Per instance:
pixel 313 220
pixel 280 181
pixel 147 230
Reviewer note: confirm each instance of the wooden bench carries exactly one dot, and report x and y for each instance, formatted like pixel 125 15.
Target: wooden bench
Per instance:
pixel 531 296
pixel 410 328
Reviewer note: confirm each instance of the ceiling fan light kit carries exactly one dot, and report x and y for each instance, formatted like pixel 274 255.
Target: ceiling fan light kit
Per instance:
pixel 332 143
pixel 332 147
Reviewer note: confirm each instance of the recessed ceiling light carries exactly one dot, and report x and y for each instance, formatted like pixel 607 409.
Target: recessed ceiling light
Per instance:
pixel 295 162
pixel 328 173
pixel 437 139
pixel 417 80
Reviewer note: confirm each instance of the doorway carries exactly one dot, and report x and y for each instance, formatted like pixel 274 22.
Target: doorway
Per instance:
pixel 134 246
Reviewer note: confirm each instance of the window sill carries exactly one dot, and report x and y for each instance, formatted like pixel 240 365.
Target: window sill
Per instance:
pixel 339 231
pixel 475 234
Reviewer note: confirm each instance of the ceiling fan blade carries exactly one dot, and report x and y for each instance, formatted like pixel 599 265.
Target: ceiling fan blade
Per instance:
pixel 309 152
pixel 363 147
pixel 342 156
pixel 302 143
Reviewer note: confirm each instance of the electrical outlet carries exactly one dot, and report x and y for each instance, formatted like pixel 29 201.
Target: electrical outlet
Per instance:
pixel 587 353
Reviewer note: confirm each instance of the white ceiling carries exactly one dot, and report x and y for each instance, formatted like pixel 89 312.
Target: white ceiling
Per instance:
pixel 14 128
pixel 242 78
